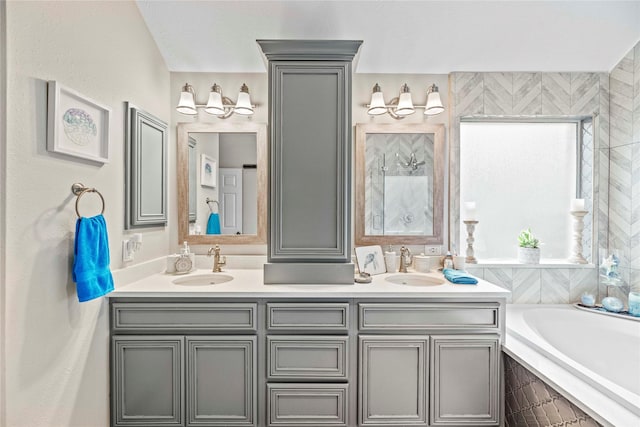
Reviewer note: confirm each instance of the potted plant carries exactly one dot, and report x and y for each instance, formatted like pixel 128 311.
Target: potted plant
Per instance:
pixel 528 250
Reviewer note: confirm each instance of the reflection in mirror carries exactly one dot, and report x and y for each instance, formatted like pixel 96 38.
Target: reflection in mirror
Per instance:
pixel 399 184
pixel 222 183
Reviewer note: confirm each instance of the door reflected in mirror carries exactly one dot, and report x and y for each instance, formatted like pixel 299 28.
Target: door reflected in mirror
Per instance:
pixel 399 184
pixel 222 183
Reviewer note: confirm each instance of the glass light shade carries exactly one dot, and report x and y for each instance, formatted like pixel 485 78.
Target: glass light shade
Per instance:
pixel 377 106
pixel 214 104
pixel 434 104
pixel 243 106
pixel 405 105
pixel 187 104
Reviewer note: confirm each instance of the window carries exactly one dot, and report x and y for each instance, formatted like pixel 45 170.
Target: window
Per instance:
pixel 521 175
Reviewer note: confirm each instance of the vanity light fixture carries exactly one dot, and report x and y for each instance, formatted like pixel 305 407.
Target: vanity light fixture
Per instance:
pixel 402 105
pixel 217 105
pixel 434 103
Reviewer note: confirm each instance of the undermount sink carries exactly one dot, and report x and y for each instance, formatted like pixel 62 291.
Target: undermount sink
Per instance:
pixel 414 280
pixel 203 279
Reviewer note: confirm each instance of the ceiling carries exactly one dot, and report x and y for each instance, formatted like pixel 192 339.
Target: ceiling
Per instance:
pixel 424 37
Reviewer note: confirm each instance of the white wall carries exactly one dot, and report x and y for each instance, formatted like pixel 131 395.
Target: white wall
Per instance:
pixel 3 192
pixel 57 360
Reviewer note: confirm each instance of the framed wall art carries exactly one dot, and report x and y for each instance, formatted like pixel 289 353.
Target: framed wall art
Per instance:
pixel 76 125
pixel 208 171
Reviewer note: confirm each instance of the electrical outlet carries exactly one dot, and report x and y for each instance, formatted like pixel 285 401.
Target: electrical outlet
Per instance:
pixel 127 251
pixel 432 250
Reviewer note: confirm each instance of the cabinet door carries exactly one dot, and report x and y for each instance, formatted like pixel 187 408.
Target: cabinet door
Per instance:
pixel 147 381
pixel 465 378
pixel 221 381
pixel 393 380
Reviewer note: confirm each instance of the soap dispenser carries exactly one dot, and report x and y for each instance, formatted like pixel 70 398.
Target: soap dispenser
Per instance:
pixel 448 260
pixel 185 261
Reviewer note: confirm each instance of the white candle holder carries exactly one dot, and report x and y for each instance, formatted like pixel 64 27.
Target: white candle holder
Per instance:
pixel 578 228
pixel 471 228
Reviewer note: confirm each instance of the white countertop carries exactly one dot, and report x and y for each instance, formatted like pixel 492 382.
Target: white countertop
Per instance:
pixel 249 283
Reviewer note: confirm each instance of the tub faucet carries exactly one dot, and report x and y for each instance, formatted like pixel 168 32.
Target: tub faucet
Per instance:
pixel 405 259
pixel 217 263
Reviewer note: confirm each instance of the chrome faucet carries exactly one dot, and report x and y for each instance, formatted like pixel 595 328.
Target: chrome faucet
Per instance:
pixel 405 259
pixel 217 263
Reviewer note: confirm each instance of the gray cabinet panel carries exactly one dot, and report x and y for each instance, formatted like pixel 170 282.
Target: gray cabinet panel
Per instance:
pixel 183 316
pixel 308 358
pixel 308 316
pixel 460 316
pixel 393 380
pixel 147 381
pixel 221 378
pixel 465 379
pixel 310 161
pixel 307 404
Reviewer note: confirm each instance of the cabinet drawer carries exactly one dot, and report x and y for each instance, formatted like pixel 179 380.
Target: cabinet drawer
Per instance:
pixel 308 316
pixel 435 316
pixel 308 358
pixel 185 316
pixel 307 404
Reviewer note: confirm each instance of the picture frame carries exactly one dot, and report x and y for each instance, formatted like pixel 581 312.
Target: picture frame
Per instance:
pixel 208 171
pixel 77 126
pixel 370 260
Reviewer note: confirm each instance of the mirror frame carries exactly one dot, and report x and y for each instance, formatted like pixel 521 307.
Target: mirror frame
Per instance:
pixel 362 130
pixel 134 216
pixel 182 172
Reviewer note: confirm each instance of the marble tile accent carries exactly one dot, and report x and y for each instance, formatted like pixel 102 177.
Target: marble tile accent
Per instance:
pixel 475 271
pixel 603 197
pixel 555 286
pixel 603 118
pixel 469 94
pixel 498 93
pixel 582 281
pixel 527 93
pixel 502 277
pixel 620 200
pixel 636 94
pixel 585 93
pixel 635 206
pixel 634 279
pixel 621 101
pixel 556 93
pixel 526 286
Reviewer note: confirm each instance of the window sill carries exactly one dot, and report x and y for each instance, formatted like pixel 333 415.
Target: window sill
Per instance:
pixel 513 263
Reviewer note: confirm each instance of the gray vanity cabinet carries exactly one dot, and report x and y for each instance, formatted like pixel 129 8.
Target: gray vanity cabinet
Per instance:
pixel 465 377
pixel 393 380
pixel 281 362
pixel 204 374
pixel 147 381
pixel 221 379
pixel 308 364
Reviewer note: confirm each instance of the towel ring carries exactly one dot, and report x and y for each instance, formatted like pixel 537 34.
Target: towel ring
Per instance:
pixel 208 200
pixel 80 190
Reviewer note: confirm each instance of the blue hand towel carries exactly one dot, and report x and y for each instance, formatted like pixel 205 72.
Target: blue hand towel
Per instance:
pixel 213 224
pixel 91 259
pixel 459 277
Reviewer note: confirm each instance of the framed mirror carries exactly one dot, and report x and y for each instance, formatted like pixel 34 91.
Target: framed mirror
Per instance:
pixel 222 183
pixel 399 184
pixel 146 169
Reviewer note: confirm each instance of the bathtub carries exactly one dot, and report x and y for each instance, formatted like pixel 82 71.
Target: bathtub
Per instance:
pixel 592 359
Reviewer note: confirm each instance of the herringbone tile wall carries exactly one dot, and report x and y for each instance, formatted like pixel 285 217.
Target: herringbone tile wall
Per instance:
pixel 532 95
pixel 624 184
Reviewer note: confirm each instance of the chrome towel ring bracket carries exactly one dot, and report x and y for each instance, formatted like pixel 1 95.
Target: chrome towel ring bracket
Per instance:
pixel 79 190
pixel 209 201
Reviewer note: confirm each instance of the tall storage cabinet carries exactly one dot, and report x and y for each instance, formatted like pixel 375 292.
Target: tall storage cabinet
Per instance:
pixel 310 160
